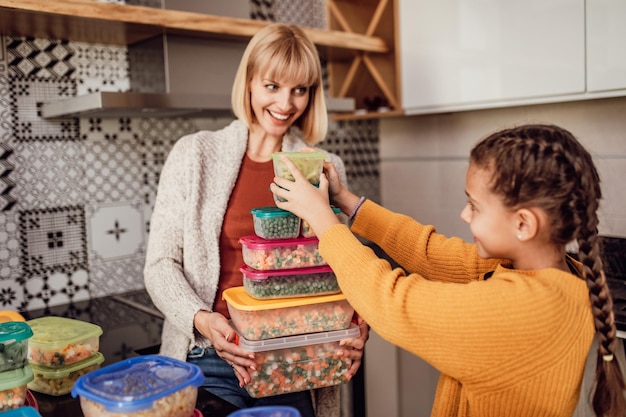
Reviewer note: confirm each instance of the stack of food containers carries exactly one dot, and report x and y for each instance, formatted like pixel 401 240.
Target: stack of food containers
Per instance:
pixel 290 310
pixel 60 351
pixel 15 372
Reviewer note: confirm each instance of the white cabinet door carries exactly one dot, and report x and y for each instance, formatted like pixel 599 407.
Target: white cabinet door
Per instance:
pixel 606 45
pixel 463 52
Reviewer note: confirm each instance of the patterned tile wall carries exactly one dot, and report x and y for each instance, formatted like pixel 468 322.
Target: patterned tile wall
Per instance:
pixel 76 195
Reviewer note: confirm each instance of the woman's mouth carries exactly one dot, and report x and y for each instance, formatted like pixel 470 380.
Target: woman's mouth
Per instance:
pixel 279 116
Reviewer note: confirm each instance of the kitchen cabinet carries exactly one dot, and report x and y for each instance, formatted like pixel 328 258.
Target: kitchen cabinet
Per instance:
pixel 606 55
pixel 462 54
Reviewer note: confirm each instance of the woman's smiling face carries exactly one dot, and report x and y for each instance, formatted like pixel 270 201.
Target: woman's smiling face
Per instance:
pixel 277 104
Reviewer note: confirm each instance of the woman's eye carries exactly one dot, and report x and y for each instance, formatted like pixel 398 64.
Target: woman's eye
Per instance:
pixel 271 87
pixel 300 91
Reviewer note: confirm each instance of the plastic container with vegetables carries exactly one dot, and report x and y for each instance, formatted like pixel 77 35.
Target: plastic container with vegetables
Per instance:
pixel 143 386
pixel 14 336
pixel 263 254
pixel 298 363
pixel 302 282
pixel 59 381
pixel 265 319
pixel 310 164
pixel 60 341
pixel 275 223
pixel 13 387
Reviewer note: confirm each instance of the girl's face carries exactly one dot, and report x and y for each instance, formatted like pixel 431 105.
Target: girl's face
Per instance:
pixel 492 224
pixel 277 104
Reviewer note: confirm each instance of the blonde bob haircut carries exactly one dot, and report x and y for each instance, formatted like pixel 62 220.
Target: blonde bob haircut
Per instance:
pixel 283 52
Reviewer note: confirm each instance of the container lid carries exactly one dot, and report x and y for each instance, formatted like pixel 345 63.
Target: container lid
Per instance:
pixel 61 372
pixel 299 340
pixel 135 384
pixel 15 377
pixel 256 242
pixel 10 315
pixel 270 212
pixel 308 155
pixel 24 411
pixel 14 331
pixel 267 411
pixel 257 274
pixel 51 331
pixel 238 298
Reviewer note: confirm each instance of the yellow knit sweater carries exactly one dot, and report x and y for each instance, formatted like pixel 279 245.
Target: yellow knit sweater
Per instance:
pixel 514 345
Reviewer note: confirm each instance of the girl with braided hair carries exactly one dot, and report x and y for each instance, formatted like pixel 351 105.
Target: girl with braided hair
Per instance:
pixel 509 319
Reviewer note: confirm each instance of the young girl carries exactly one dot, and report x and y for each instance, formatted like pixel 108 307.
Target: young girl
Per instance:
pixel 509 319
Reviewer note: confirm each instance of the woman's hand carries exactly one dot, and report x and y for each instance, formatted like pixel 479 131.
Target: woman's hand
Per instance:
pixel 305 200
pixel 353 348
pixel 215 327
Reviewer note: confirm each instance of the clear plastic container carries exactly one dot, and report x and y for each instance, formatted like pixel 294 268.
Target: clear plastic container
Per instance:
pixel 306 228
pixel 298 363
pixel 14 337
pixel 61 341
pixel 275 223
pixel 302 282
pixel 310 165
pixel 265 319
pixel 25 411
pixel 263 254
pixel 267 411
pixel 59 381
pixel 13 387
pixel 142 386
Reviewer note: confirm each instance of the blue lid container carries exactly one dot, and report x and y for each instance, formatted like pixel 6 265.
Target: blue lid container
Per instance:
pixel 138 384
pixel 26 411
pixel 268 411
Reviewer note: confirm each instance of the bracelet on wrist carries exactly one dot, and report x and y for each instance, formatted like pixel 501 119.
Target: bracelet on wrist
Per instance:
pixel 356 209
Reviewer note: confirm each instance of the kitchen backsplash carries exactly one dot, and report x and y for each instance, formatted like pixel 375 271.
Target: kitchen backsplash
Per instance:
pixel 76 195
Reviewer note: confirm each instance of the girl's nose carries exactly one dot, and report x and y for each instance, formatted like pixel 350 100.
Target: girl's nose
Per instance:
pixel 466 214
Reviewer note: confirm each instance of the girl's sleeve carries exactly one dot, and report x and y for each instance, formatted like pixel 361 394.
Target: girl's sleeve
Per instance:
pixel 419 248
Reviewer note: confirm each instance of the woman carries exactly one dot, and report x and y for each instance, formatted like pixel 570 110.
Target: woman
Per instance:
pixel 209 184
pixel 509 319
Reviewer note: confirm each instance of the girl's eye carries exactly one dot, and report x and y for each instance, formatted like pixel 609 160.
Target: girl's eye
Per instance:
pixel 471 206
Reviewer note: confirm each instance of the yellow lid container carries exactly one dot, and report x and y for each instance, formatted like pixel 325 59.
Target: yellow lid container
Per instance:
pixel 60 341
pixel 266 319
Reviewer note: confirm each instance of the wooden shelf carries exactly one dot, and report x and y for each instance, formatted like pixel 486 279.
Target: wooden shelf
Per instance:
pixel 118 24
pixel 366 76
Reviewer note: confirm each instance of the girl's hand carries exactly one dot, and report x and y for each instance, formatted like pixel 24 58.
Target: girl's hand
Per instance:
pixel 353 348
pixel 334 184
pixel 215 327
pixel 305 200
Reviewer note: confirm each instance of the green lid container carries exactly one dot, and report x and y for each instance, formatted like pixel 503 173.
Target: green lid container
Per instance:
pixel 14 337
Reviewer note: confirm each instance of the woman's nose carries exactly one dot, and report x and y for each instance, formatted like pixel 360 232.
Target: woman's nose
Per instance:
pixel 284 100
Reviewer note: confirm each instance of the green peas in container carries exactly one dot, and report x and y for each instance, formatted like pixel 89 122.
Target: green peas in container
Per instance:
pixel 302 282
pixel 275 223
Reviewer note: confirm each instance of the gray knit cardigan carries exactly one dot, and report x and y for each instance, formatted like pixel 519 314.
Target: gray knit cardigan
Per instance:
pixel 182 262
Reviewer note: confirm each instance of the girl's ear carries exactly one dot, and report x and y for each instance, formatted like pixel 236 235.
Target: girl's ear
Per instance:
pixel 528 223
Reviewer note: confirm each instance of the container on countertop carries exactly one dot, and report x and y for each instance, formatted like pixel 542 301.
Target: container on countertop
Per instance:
pixel 60 341
pixel 298 363
pixel 143 386
pixel 265 319
pixel 13 387
pixel 263 254
pixel 284 283
pixel 25 411
pixel 14 336
pixel 267 411
pixel 275 223
pixel 59 381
